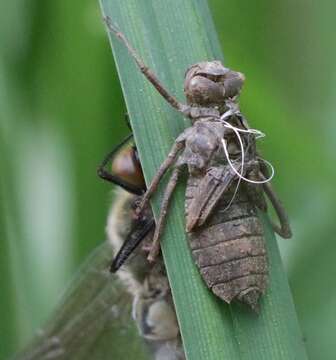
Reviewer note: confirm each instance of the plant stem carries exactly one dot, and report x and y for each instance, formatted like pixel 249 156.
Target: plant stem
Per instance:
pixel 170 36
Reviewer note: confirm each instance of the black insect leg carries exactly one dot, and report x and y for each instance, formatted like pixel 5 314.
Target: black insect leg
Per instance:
pixel 155 248
pixel 137 234
pixel 128 123
pixel 106 175
pixel 284 229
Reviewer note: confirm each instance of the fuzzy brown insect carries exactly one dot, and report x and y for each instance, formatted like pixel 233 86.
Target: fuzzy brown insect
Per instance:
pixel 152 304
pixel 225 233
pixel 123 311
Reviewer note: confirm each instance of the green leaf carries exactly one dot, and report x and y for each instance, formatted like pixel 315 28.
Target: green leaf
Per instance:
pixel 170 36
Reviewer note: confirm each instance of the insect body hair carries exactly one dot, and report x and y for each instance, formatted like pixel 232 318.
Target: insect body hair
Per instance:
pixel 152 309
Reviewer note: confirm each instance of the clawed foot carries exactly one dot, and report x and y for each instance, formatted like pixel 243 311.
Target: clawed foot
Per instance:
pixel 154 250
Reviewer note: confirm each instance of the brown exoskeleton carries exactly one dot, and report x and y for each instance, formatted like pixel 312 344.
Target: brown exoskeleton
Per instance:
pixel 225 233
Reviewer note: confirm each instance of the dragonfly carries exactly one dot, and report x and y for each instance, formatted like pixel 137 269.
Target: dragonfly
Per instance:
pixel 127 315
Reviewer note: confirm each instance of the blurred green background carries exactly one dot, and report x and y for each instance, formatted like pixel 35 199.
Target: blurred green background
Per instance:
pixel 61 110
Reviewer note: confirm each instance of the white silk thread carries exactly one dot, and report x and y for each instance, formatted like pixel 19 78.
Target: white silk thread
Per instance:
pixel 258 134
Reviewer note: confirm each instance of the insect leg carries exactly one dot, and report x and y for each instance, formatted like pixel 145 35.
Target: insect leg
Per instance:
pixel 106 175
pixel 137 234
pixel 178 145
pixel 155 248
pixel 284 229
pixel 255 192
pixel 150 75
pixel 128 123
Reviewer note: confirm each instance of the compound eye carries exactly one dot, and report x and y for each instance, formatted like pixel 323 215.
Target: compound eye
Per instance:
pixel 233 82
pixel 126 165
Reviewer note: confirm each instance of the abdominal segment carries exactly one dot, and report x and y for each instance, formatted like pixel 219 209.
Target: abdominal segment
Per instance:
pixel 229 247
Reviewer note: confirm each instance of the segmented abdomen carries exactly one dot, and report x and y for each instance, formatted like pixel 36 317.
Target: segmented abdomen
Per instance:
pixel 229 248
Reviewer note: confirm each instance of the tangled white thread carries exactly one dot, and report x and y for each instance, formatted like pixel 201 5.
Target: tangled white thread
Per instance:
pixel 258 134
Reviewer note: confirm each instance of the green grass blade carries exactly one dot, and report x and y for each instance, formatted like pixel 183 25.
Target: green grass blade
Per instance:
pixel 170 36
